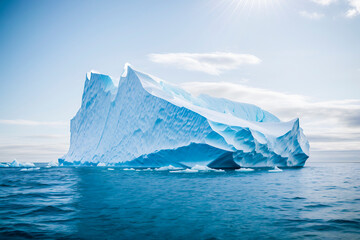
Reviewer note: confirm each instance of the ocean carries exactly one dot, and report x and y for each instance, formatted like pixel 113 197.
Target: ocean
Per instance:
pixel 319 201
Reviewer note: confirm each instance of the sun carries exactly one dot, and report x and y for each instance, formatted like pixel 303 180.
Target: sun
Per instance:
pixel 228 10
pixel 236 6
pixel 253 3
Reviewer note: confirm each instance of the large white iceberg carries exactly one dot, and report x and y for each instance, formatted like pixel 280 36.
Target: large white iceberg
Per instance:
pixel 146 122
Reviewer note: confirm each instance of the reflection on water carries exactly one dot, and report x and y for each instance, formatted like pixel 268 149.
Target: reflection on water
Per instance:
pixel 318 201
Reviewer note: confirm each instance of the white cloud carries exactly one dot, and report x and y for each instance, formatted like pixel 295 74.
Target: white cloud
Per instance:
pixel 355 8
pixel 311 15
pixel 330 125
pixel 211 63
pixel 352 12
pixel 31 123
pixel 324 2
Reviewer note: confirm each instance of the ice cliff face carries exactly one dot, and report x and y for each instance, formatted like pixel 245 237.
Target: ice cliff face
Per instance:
pixel 146 122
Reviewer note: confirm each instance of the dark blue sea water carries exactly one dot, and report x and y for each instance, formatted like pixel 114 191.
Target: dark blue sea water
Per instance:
pixel 319 201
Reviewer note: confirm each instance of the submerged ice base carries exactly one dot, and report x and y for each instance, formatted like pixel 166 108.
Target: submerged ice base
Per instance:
pixel 147 122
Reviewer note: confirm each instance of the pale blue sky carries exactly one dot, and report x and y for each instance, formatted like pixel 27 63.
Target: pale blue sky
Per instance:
pixel 310 48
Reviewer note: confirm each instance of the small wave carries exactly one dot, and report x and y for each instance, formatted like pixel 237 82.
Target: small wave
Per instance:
pixel 185 171
pixel 16 233
pixel 41 184
pixel 347 222
pixel 48 210
pixel 271 207
pixel 324 227
pixel 6 185
pixel 298 198
pixel 232 209
pixel 28 195
pixel 15 206
pixel 61 220
pixel 317 206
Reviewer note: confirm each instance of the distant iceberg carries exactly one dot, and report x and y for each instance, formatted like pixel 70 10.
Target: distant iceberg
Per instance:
pixel 3 165
pixel 276 169
pixel 168 168
pixel 15 163
pixel 145 122
pixel 53 164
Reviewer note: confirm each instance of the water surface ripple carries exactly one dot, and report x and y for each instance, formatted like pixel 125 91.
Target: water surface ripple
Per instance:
pixel 319 201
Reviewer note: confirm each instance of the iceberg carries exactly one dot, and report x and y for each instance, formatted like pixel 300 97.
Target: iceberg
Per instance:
pixel 27 165
pixel 3 165
pixel 201 168
pixel 276 169
pixel 29 169
pixel 16 163
pixel 167 168
pixel 146 122
pixel 52 164
pixel 147 169
pixel 245 170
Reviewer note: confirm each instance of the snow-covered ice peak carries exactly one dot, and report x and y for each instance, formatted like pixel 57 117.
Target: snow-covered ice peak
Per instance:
pixel 126 67
pixel 147 122
pixel 88 74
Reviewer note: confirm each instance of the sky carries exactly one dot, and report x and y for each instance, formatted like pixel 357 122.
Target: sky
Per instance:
pixel 297 58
